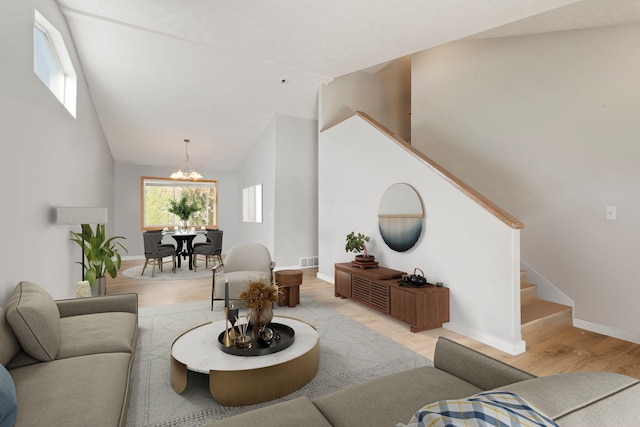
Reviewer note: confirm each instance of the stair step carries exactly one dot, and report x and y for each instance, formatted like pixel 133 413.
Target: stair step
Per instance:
pixel 539 328
pixel 540 311
pixel 528 293
pixel 523 277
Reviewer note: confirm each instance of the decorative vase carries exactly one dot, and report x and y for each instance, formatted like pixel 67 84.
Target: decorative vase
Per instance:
pixel 184 225
pixel 260 318
pixel 99 287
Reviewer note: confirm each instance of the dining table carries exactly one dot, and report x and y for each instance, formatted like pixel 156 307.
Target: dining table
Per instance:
pixel 184 244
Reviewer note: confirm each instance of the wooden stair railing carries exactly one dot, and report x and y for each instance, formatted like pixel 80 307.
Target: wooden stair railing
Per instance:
pixel 497 211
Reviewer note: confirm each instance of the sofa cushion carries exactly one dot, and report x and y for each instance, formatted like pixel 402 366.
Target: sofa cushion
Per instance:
pixel 9 346
pixel 490 408
pixel 77 392
pixel 570 394
pixel 474 367
pixel 386 401
pixel 35 319
pixel 97 333
pixel 292 413
pixel 8 402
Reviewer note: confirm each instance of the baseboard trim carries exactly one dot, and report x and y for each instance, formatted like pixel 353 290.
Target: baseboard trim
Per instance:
pixel 513 348
pixel 606 330
pixel 325 278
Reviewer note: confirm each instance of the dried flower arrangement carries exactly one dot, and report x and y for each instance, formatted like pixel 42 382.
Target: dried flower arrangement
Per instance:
pixel 259 295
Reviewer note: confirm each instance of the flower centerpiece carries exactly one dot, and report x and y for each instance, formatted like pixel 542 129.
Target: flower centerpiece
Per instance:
pixel 183 209
pixel 258 297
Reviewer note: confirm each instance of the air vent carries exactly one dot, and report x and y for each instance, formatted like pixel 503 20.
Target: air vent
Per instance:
pixel 309 262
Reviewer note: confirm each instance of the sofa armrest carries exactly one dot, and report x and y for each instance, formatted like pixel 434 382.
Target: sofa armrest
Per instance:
pixel 72 307
pixel 474 367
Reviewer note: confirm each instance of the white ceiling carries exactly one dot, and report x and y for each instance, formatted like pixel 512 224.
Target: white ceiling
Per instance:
pixel 212 71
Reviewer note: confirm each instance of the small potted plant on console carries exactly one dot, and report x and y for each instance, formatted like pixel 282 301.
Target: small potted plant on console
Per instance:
pixel 356 243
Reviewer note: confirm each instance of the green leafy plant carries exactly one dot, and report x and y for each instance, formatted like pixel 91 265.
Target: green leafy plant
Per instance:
pixel 356 243
pixel 184 208
pixel 102 253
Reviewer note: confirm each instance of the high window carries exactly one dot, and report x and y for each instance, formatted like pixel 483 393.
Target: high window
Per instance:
pixel 156 193
pixel 52 64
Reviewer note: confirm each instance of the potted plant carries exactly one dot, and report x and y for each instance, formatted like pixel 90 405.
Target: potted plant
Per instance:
pixel 102 255
pixel 183 209
pixel 356 243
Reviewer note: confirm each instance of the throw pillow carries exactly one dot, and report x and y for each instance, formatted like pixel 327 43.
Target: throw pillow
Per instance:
pixel 9 347
pixel 8 401
pixel 35 320
pixel 492 408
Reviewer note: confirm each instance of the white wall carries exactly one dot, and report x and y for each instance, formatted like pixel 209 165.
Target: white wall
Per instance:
pixel 384 95
pixel 464 246
pixel 259 168
pixel 284 161
pixel 296 190
pixel 49 159
pixel 128 205
pixel 547 127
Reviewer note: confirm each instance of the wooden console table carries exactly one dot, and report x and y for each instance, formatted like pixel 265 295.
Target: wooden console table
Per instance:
pixel 379 288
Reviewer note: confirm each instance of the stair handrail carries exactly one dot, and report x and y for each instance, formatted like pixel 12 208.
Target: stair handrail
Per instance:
pixel 470 192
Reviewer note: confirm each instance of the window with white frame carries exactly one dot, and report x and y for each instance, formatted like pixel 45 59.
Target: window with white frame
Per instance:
pixel 156 193
pixel 52 64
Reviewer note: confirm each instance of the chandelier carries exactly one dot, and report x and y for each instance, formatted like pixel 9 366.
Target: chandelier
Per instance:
pixel 186 172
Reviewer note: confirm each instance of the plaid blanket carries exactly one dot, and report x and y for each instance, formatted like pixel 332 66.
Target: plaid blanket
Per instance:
pixel 494 408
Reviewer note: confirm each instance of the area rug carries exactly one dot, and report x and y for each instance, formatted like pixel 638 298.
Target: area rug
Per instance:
pixel 182 273
pixel 350 353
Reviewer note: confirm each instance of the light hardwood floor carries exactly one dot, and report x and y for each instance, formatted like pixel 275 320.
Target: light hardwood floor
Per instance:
pixel 551 348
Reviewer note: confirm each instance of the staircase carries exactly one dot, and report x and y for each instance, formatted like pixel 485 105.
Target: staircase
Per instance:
pixel 543 317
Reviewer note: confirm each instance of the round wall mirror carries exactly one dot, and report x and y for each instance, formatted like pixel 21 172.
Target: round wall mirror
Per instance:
pixel 400 217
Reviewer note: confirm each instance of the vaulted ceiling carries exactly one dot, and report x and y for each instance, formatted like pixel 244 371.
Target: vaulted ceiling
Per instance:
pixel 216 71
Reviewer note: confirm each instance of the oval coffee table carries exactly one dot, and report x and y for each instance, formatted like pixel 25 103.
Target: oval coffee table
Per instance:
pixel 245 380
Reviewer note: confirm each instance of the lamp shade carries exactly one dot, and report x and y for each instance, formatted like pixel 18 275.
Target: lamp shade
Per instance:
pixel 81 215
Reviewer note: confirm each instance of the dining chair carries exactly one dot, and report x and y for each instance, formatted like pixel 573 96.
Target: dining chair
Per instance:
pixel 243 263
pixel 211 249
pixel 155 251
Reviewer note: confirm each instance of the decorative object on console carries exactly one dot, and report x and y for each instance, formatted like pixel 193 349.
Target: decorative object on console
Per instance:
pixel 400 217
pixel 189 173
pixel 356 243
pixel 418 279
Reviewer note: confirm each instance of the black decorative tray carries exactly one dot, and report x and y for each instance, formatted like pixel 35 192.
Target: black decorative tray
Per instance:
pixel 287 337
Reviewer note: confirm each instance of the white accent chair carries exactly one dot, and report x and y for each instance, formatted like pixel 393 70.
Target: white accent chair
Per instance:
pixel 241 264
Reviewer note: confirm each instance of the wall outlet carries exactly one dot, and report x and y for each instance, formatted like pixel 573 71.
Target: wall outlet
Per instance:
pixel 610 214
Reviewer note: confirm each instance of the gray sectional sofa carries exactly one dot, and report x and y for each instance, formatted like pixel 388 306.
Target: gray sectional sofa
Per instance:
pixel 70 360
pixel 574 399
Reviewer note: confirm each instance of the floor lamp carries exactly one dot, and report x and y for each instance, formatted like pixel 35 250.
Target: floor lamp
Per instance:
pixel 80 216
